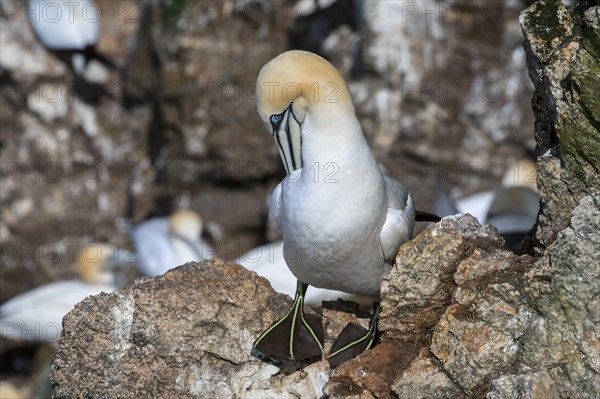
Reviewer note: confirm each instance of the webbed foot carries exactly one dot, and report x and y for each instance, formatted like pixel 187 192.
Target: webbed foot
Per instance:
pixel 296 336
pixel 354 339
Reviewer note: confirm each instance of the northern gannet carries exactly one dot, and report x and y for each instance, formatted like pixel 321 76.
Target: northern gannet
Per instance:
pixel 36 315
pixel 9 391
pixel 71 30
pixel 165 242
pixel 63 25
pixel 345 219
pixel 513 211
pixel 268 261
pixel 512 207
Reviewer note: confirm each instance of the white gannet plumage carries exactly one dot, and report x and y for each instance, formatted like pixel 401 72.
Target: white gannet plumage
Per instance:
pixel 166 242
pixel 64 24
pixel 343 218
pixel 10 391
pixel 36 315
pixel 268 261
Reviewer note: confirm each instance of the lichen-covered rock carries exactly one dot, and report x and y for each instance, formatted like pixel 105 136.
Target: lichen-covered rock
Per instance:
pixel 469 349
pixel 522 328
pixel 563 57
pixel 478 336
pixel 564 289
pixel 537 385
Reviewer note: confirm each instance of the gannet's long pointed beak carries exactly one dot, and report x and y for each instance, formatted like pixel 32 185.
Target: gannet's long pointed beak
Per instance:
pixel 287 132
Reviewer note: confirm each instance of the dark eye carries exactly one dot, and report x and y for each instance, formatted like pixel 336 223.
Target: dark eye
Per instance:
pixel 275 119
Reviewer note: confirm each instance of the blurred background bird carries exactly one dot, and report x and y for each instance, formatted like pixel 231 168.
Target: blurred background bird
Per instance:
pixel 512 207
pixel 71 30
pixel 165 242
pixel 36 315
pixel 33 319
pixel 9 391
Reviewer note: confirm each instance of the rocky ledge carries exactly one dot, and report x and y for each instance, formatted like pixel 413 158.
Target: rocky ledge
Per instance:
pixel 462 318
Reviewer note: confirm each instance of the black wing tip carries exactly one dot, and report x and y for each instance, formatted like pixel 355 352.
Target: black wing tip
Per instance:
pixel 422 216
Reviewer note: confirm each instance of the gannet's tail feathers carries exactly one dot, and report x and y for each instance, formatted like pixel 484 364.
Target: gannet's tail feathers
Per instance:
pixel 422 216
pixel 399 198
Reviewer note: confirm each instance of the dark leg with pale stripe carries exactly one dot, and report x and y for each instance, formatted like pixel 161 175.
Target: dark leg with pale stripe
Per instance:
pixel 296 336
pixel 354 339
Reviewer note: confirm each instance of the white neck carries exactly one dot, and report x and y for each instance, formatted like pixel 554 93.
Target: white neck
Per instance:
pixel 336 141
pixel 184 252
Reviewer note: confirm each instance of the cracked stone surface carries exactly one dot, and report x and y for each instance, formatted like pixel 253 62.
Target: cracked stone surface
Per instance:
pixel 185 334
pixel 420 286
pixel 537 385
pixel 564 289
pixel 430 381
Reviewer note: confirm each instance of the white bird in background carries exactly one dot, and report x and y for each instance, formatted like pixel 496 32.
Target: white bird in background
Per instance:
pixel 71 31
pixel 344 218
pixel 512 208
pixel 9 391
pixel 166 242
pixel 476 204
pixel 36 315
pixel 65 25
pixel 513 212
pixel 268 261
